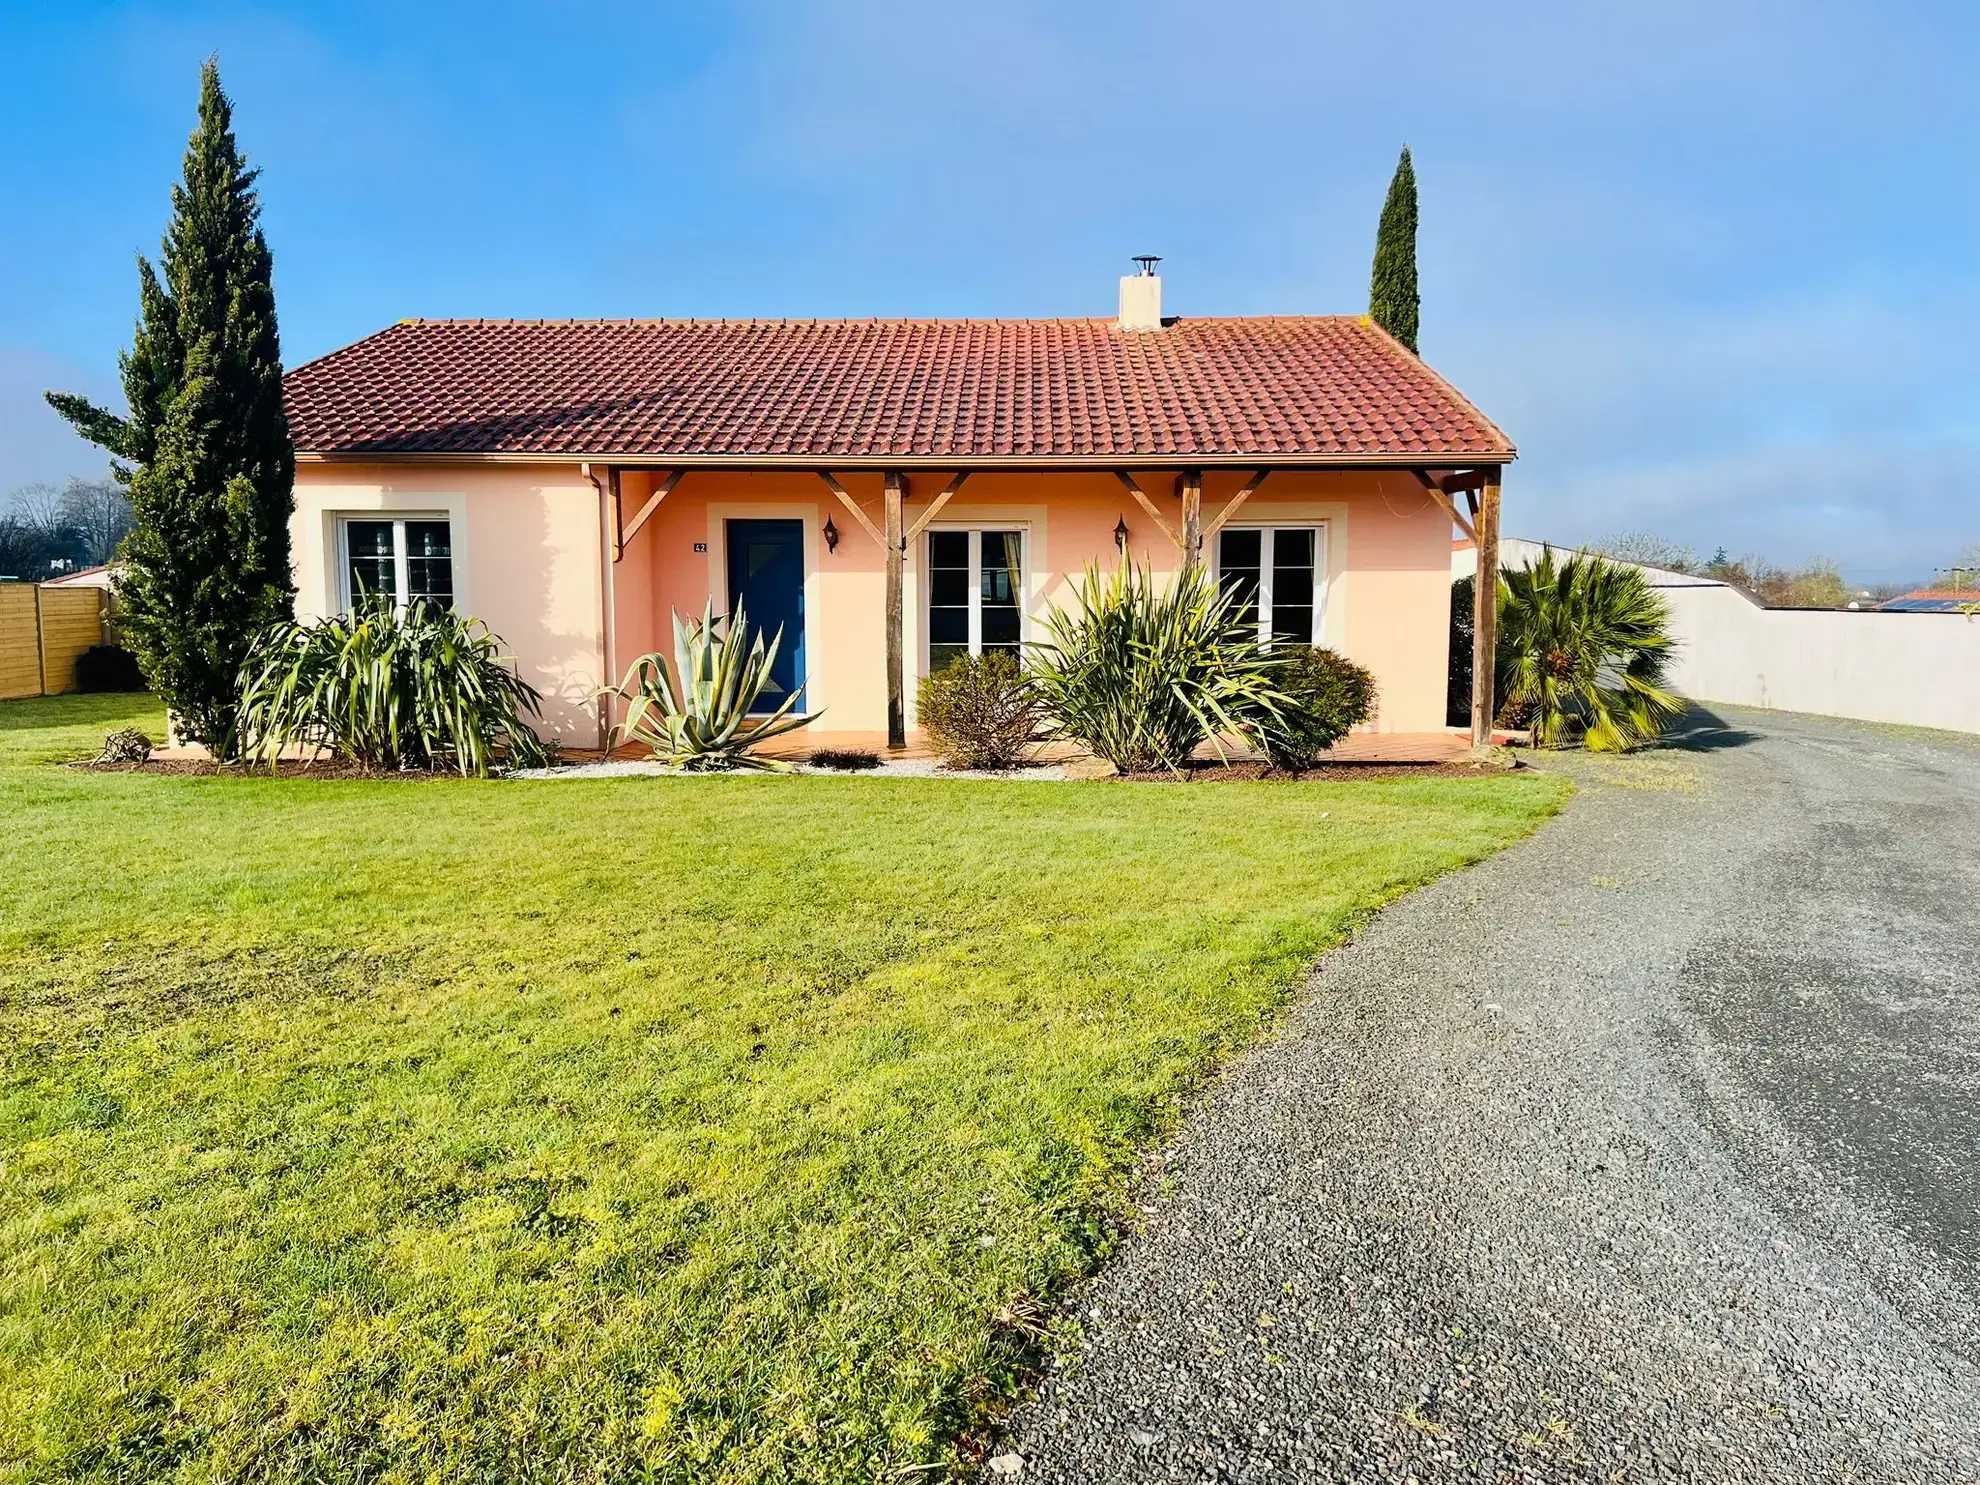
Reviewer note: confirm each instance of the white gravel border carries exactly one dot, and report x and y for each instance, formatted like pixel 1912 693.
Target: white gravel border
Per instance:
pixel 891 768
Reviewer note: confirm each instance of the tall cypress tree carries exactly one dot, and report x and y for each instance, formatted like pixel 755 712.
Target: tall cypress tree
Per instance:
pixel 210 466
pixel 1392 298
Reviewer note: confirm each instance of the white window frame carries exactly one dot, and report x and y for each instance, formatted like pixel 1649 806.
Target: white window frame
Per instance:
pixel 974 530
pixel 401 558
pixel 1267 544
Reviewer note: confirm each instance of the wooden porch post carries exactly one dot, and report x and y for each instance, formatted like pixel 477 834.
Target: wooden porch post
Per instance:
pixel 1485 615
pixel 896 546
pixel 1192 503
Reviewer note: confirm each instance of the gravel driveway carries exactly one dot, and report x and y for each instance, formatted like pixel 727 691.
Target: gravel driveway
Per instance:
pixel 1650 1149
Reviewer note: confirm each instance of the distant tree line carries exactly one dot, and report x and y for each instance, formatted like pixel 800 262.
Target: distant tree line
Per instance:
pixel 47 530
pixel 1817 583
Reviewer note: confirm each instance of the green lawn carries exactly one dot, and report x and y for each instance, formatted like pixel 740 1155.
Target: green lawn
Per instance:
pixel 671 1129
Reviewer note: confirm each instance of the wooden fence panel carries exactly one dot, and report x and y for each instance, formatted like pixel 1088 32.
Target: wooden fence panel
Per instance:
pixel 71 621
pixel 20 642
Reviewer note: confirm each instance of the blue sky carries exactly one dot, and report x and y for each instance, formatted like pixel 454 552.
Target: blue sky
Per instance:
pixel 1713 266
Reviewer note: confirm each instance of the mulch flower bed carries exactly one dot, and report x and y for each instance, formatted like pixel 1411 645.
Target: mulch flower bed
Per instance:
pixel 287 768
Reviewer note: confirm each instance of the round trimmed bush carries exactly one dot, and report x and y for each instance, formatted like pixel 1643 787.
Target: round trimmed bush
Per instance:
pixel 108 668
pixel 1327 695
pixel 979 711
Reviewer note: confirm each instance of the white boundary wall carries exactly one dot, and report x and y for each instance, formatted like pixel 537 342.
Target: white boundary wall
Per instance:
pixel 1922 670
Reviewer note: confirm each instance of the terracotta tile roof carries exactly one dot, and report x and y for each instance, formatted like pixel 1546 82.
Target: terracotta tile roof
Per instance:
pixel 1932 600
pixel 1332 387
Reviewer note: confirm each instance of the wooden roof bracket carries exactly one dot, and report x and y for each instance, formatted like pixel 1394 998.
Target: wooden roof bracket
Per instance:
pixel 1154 511
pixel 845 499
pixel 622 538
pixel 934 509
pixel 1434 484
pixel 1230 509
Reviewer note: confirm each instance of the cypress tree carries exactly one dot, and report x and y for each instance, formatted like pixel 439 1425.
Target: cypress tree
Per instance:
pixel 1392 298
pixel 209 463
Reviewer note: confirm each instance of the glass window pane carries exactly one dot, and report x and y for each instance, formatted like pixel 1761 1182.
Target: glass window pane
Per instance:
pixel 940 657
pixel 1292 549
pixel 1003 566
pixel 948 626
pixel 429 562
pixel 1238 558
pixel 1238 548
pixel 948 549
pixel 1002 583
pixel 370 547
pixel 948 587
pixel 1000 627
pixel 1292 624
pixel 1292 586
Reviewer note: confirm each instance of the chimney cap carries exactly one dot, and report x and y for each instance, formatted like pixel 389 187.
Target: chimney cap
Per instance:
pixel 1147 262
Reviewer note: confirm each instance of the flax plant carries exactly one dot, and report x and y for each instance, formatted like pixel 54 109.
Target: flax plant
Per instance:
pixel 418 686
pixel 700 717
pixel 1142 675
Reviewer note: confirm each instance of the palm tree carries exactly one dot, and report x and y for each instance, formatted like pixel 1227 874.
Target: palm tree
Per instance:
pixel 1583 646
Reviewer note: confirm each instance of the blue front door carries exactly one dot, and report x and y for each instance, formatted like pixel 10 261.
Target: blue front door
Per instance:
pixel 766 580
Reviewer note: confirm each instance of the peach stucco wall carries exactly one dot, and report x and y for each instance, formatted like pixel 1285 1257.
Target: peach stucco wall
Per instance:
pixel 528 544
pixel 526 559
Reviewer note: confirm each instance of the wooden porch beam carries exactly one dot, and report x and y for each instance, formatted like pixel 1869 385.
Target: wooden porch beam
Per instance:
pixel 1485 615
pixel 1230 509
pixel 1192 527
pixel 1154 511
pixel 623 538
pixel 852 505
pixel 1451 481
pixel 896 546
pixel 934 508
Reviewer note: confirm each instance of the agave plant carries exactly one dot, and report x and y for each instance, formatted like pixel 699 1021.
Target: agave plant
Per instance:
pixel 1584 644
pixel 1142 675
pixel 418 686
pixel 699 717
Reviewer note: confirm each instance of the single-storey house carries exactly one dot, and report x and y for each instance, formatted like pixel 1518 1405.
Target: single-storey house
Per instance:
pixel 891 492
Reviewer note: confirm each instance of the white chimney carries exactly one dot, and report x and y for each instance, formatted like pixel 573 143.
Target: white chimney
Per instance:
pixel 1141 297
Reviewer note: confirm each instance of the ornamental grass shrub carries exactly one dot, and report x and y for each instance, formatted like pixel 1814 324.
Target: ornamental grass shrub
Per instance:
pixel 1327 695
pixel 980 711
pixel 389 687
pixel 1141 675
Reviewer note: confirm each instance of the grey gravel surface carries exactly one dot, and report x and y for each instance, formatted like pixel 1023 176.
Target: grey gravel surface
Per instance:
pixel 1644 1151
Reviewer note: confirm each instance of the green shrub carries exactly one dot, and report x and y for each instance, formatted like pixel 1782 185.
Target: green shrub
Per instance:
pixel 845 760
pixel 1327 695
pixel 1142 675
pixel 979 711
pixel 414 687
pixel 704 722
pixel 108 668
pixel 1584 645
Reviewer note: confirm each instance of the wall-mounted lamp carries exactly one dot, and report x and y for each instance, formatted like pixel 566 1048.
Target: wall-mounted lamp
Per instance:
pixel 1120 535
pixel 831 536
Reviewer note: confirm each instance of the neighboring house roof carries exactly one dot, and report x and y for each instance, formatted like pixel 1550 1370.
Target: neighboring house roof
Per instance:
pixel 82 577
pixel 1932 601
pixel 1310 389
